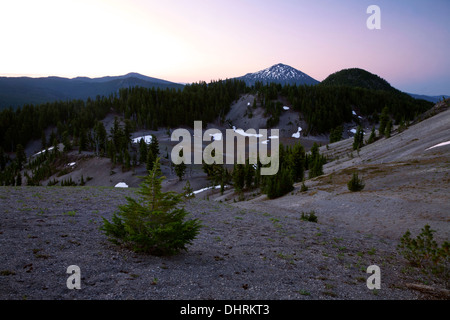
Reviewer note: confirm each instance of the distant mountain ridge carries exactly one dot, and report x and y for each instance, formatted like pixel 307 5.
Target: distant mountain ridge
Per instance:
pixel 279 73
pixel 18 91
pixel 124 77
pixel 434 99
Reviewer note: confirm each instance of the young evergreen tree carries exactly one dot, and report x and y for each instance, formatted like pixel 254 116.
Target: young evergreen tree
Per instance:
pixel 355 184
pixel 316 168
pixel 336 134
pixel 372 136
pixel 188 191
pixel 314 154
pixel 239 177
pixel 279 184
pixel 315 162
pixel 297 162
pixel 154 224
pixel 402 126
pixel 358 139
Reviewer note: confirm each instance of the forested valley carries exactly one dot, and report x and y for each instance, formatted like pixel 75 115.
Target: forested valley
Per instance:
pixel 77 125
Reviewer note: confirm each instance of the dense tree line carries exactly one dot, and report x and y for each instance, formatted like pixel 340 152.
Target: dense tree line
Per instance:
pixel 150 108
pixel 325 108
pixel 29 122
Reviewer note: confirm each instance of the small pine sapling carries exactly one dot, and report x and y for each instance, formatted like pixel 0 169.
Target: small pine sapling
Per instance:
pixel 355 184
pixel 155 223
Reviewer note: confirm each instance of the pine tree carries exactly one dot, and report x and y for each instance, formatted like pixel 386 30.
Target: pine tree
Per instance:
pixel 336 134
pixel 358 139
pixel 99 137
pixel 43 140
pixel 19 179
pixel 249 174
pixel 372 136
pixel 303 188
pixel 388 130
pixel 150 160
pixel 384 117
pixel 155 223
pixel 315 162
pixel 314 154
pixel 154 146
pixel 180 169
pixel 188 191
pixel 355 184
pixel 402 126
pixel 66 141
pixel 279 184
pixel 297 161
pixel 142 151
pixel 238 177
pixel 2 159
pixel 317 167
pixel 127 160
pixel 83 140
pixel 21 157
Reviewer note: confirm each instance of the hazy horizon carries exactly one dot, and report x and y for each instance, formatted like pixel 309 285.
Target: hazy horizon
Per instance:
pixel 185 42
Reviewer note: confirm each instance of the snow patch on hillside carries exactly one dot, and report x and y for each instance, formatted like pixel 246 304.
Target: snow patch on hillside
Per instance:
pixel 147 139
pixel 297 134
pixel 121 185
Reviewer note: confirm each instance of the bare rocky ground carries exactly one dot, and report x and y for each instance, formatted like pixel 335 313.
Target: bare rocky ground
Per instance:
pixel 255 249
pixel 239 254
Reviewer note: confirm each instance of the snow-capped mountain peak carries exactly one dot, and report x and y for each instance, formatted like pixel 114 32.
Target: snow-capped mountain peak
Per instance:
pixel 279 73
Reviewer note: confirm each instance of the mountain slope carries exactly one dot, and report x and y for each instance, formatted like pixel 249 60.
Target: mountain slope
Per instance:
pixel 279 73
pixel 355 77
pixel 18 91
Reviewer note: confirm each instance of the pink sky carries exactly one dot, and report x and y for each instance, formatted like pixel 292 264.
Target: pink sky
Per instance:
pixel 189 41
